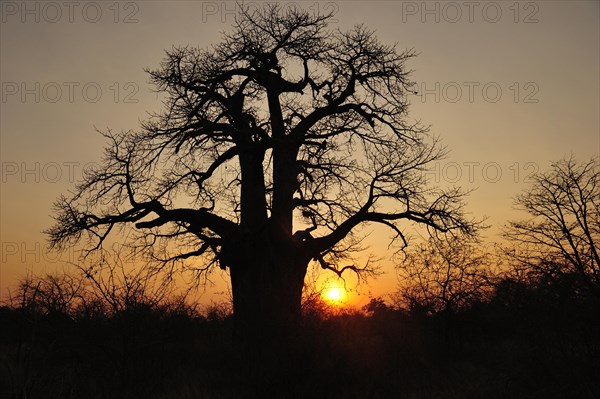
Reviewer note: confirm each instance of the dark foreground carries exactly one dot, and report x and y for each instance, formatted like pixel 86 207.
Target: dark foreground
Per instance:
pixel 521 344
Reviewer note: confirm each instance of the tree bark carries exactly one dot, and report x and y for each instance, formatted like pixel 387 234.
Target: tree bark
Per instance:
pixel 267 277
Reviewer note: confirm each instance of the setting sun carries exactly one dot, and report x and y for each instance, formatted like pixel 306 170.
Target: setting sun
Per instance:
pixel 334 294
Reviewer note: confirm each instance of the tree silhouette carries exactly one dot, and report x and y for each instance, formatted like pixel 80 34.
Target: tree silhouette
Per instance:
pixel 444 275
pixel 274 147
pixel 561 237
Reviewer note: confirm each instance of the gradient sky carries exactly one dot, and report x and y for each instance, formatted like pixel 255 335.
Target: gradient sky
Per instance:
pixel 508 86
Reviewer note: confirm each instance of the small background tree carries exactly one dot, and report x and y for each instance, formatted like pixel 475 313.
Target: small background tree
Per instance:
pixel 560 240
pixel 444 275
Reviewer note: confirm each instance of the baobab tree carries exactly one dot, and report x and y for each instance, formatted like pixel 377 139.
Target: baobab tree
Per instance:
pixel 274 147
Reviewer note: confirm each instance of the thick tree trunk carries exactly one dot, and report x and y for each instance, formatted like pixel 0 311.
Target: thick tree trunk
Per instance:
pixel 267 280
pixel 267 293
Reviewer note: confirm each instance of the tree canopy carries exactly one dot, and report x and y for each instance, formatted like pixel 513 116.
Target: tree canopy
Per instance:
pixel 284 117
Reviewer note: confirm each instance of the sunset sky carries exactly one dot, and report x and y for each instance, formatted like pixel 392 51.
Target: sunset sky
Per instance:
pixel 508 87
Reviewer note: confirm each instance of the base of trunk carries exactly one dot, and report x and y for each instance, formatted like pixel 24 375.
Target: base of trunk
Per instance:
pixel 267 299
